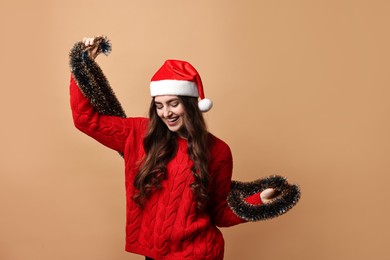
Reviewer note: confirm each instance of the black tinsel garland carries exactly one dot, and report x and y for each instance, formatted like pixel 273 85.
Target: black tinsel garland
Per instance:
pixel 289 195
pixel 91 79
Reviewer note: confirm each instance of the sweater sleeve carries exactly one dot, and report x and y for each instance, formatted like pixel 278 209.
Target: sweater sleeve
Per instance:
pixel 111 131
pixel 222 169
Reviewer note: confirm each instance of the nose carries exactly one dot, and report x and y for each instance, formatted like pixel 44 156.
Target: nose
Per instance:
pixel 167 112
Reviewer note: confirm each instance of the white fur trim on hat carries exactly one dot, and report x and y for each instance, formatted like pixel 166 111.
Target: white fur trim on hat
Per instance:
pixel 173 87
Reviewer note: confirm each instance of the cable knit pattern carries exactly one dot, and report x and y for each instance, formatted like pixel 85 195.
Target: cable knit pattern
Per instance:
pixel 169 226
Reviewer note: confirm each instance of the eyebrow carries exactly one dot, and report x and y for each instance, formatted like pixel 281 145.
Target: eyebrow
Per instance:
pixel 168 101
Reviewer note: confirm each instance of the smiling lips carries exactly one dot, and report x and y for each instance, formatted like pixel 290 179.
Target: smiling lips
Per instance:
pixel 172 121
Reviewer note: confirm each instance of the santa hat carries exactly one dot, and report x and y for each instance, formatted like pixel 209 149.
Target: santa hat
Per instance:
pixel 179 78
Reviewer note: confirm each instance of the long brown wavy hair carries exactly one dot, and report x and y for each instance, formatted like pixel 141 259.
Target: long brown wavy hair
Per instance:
pixel 160 146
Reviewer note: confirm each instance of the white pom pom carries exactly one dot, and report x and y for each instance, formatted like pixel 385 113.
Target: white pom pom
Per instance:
pixel 205 105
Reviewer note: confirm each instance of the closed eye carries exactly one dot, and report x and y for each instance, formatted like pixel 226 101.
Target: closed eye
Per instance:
pixel 158 105
pixel 174 104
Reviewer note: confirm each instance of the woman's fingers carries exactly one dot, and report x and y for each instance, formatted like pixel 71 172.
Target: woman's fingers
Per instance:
pixel 88 41
pixel 92 45
pixel 268 193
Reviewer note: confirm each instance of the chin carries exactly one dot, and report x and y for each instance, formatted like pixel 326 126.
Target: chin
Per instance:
pixel 174 129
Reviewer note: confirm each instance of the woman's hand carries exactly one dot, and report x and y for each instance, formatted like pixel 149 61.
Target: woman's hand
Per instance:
pixel 92 44
pixel 268 195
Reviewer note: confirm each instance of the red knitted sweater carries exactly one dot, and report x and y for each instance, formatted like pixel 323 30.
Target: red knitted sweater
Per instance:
pixel 169 226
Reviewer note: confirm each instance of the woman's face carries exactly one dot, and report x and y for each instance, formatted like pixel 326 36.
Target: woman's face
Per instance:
pixel 171 111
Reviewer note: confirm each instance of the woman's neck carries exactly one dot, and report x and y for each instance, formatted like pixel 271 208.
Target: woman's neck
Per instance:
pixel 182 134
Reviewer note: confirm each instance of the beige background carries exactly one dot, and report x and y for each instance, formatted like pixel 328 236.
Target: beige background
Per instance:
pixel 301 89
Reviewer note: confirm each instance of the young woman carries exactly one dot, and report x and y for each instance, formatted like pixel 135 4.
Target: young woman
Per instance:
pixel 177 174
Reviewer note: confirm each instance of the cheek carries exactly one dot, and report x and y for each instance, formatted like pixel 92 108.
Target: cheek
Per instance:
pixel 180 111
pixel 159 113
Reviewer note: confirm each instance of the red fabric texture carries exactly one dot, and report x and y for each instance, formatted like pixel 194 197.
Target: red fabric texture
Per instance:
pixel 169 226
pixel 254 199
